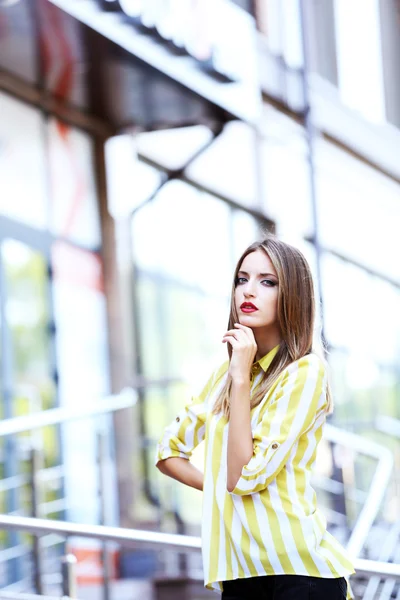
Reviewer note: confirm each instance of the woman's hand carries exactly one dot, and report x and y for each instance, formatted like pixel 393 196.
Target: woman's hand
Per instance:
pixel 244 350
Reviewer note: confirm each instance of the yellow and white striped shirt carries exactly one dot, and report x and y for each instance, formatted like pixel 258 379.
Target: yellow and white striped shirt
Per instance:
pixel 269 524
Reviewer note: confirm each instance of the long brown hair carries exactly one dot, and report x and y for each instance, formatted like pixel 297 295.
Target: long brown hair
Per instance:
pixel 296 316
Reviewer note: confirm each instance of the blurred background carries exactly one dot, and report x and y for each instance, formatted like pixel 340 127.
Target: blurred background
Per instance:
pixel 143 146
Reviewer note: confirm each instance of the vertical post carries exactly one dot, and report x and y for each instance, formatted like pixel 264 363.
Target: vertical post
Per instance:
pixel 35 464
pixel 102 465
pixel 9 445
pixel 69 587
pixel 310 134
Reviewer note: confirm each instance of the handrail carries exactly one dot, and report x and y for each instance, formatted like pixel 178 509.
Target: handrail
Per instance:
pixel 53 416
pixel 388 425
pixel 22 596
pixel 155 539
pixel 104 533
pixel 378 485
pixel 128 398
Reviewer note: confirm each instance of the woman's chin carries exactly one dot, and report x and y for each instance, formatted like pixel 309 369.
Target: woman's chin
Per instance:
pixel 248 320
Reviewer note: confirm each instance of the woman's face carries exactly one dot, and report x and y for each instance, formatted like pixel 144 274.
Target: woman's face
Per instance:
pixel 256 293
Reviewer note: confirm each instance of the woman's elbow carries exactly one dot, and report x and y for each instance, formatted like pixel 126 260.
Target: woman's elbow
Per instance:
pixel 164 465
pixel 161 466
pixel 231 485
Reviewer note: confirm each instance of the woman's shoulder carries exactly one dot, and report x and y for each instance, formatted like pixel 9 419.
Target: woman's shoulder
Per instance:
pixel 311 363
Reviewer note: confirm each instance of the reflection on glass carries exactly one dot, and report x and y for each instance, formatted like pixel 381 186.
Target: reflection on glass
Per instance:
pixel 180 329
pixel 284 30
pixel 74 206
pixel 361 86
pixel 245 231
pixel 228 167
pixel 182 235
pixel 161 405
pixel 28 319
pixel 361 311
pixel 130 181
pixel 80 315
pixel 65 62
pixel 359 210
pixel 33 389
pixel 22 163
pixel 359 401
pixel 286 176
pixel 17 40
pixel 173 148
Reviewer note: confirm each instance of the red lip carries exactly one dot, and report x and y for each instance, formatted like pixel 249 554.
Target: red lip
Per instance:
pixel 248 307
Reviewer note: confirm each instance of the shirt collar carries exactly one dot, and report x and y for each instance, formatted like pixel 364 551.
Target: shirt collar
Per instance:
pixel 266 360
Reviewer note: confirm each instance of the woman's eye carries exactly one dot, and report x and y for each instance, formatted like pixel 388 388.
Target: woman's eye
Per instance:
pixel 269 282
pixel 240 280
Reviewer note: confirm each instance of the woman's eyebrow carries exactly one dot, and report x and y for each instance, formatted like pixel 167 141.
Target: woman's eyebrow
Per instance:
pixel 260 274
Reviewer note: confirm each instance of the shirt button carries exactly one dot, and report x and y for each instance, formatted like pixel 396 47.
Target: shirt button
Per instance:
pixel 177 419
pixel 274 446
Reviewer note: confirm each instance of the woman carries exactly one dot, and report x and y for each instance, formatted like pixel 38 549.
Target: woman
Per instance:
pixel 262 415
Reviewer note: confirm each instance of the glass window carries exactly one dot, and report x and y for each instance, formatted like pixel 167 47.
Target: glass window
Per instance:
pixel 17 40
pixel 22 151
pixel 64 62
pixel 171 317
pixel 74 209
pixel 130 181
pixel 27 316
pixel 284 30
pixel 80 315
pixel 358 210
pixel 246 230
pixel 228 166
pixel 287 194
pixel 33 388
pixel 357 382
pixel 361 311
pixel 180 235
pixel 359 57
pixel 173 148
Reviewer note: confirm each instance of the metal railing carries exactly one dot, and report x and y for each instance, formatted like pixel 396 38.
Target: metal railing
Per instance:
pixel 378 485
pixel 22 596
pixel 388 425
pixel 155 540
pixel 37 475
pixel 128 398
pixel 55 416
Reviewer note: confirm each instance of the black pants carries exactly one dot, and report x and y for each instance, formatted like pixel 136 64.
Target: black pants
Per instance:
pixel 285 587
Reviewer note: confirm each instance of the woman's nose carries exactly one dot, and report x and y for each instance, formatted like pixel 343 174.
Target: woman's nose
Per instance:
pixel 248 290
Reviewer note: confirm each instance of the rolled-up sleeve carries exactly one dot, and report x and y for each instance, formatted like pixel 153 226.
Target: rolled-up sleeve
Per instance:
pixel 291 411
pixel 187 430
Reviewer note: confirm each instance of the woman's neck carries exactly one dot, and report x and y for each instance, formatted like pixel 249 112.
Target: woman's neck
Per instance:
pixel 265 341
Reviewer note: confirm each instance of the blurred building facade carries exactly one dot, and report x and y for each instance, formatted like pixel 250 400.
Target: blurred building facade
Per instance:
pixel 143 146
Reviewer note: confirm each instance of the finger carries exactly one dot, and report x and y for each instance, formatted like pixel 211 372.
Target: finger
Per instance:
pixel 247 330
pixel 234 343
pixel 230 334
pixel 237 332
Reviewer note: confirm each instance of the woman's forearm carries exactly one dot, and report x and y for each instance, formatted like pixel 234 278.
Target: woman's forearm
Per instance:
pixel 182 470
pixel 240 438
